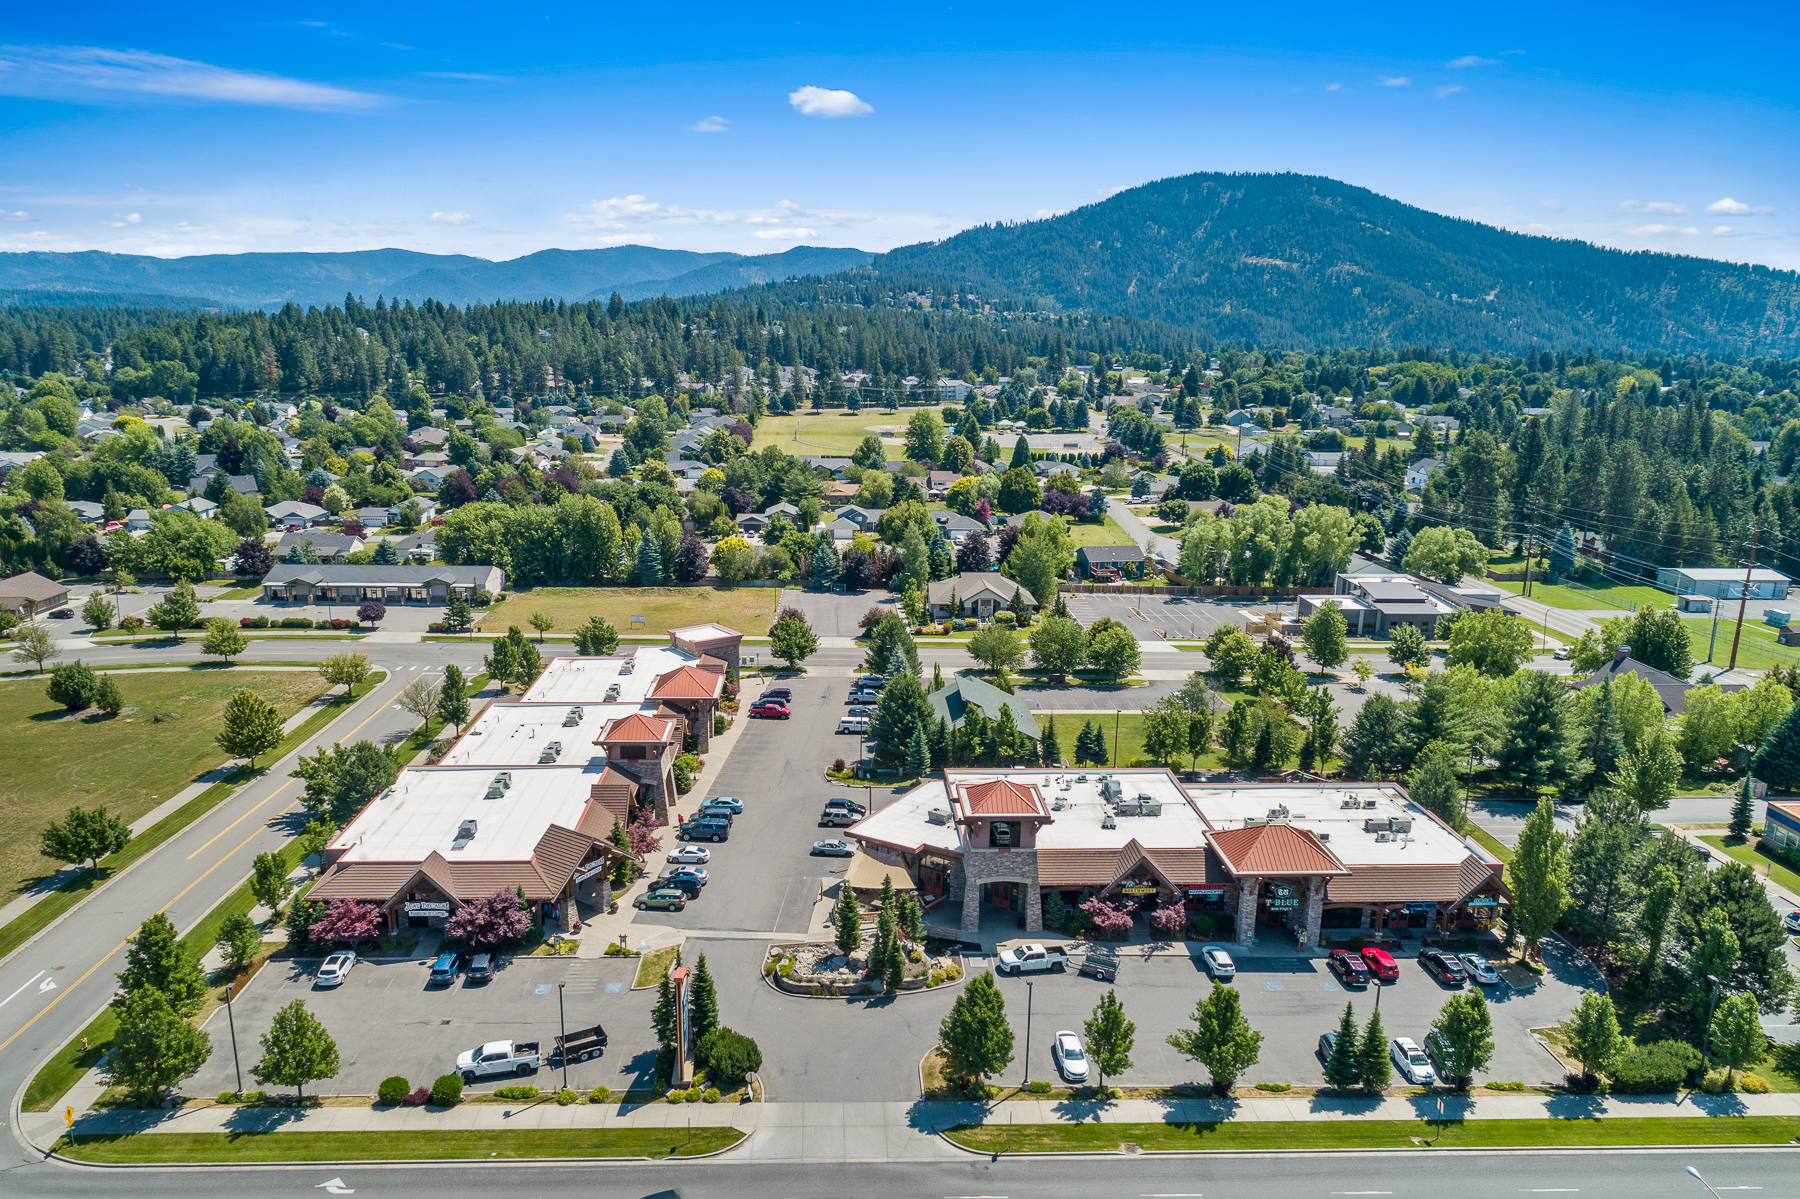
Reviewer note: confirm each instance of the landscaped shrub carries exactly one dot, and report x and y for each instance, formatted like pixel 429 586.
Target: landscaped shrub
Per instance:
pixel 228 1096
pixel 1505 1086
pixel 711 1095
pixel 296 622
pixel 729 1056
pixel 1038 1086
pixel 600 1095
pixel 418 1098
pixel 256 1096
pixel 1753 1084
pixel 1659 1068
pixel 340 623
pixel 436 626
pixel 719 724
pixel 520 1092
pixel 566 1096
pixel 393 1090
pixel 447 1090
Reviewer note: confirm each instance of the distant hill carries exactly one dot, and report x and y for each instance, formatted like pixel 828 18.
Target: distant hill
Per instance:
pixel 1303 261
pixel 270 280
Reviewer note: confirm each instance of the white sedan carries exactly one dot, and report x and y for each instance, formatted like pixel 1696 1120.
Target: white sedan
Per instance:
pixel 333 969
pixel 693 855
pixel 1480 969
pixel 1218 963
pixel 1070 1061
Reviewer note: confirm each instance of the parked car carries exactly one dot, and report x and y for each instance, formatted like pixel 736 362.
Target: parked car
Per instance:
pixel 481 968
pixel 1071 1062
pixel 834 849
pixel 872 682
pixel 1031 959
pixel 863 712
pixel 694 872
pixel 1480 969
pixel 838 818
pixel 671 899
pixel 863 697
pixel 724 815
pixel 1100 962
pixel 497 1057
pixel 1437 1050
pixel 1350 967
pixel 1381 964
pixel 1414 1066
pixel 771 710
pixel 687 884
pixel 1791 921
pixel 848 805
pixel 445 969
pixel 695 854
pixel 1326 1041
pixel 333 969
pixel 781 693
pixel 1447 968
pixel 1218 963
pixel 63 614
pixel 704 830
pixel 1561 654
pixel 730 803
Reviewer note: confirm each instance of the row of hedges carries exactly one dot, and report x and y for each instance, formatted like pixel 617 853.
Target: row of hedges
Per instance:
pixel 296 622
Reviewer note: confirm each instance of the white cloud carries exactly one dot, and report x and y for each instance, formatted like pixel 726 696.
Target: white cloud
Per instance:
pixel 1550 205
pixel 1332 87
pixel 120 222
pixel 1722 231
pixel 710 125
pixel 636 217
pixel 1731 207
pixel 54 70
pixel 786 234
pixel 1470 60
pixel 1662 231
pixel 1653 207
pixel 1395 81
pixel 1449 89
pixel 14 216
pixel 450 218
pixel 812 101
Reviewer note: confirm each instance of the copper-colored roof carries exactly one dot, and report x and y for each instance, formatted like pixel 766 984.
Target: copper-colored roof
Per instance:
pixel 1266 849
pixel 364 880
pixel 688 682
pixel 1181 867
pixel 558 852
pixel 608 800
pixel 1431 882
pixel 1104 867
pixel 1001 797
pixel 475 879
pixel 636 729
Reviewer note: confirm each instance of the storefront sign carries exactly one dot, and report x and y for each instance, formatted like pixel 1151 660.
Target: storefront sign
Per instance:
pixel 1421 907
pixel 1484 901
pixel 1138 889
pixel 1281 897
pixel 427 908
pixel 590 871
pixel 1206 892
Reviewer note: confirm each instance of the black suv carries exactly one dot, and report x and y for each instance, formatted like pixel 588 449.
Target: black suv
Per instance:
pixel 1444 967
pixel 704 830
pixel 838 802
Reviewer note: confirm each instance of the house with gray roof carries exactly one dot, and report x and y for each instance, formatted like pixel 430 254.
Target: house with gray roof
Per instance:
pixel 1671 690
pixel 29 593
pixel 957 527
pixel 328 545
pixel 296 512
pixel 979 593
pixel 1109 559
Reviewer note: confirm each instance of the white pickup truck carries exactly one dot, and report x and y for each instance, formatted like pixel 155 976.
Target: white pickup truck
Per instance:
pixel 497 1057
pixel 1027 959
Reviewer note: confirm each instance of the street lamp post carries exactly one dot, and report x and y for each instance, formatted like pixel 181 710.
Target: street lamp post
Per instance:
pixel 1117 714
pixel 1703 1182
pixel 1028 986
pixel 563 1025
pixel 231 1020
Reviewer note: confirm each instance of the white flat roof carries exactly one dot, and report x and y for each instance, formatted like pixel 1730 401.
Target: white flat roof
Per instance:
pixel 426 805
pixel 1729 574
pixel 1321 809
pixel 574 680
pixel 507 734
pixel 706 632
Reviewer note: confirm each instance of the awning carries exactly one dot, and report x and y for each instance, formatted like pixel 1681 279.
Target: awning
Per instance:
pixel 865 874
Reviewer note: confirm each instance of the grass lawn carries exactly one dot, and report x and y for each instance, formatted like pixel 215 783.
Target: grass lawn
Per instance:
pixel 653 965
pixel 1377 1134
pixel 1107 532
pixel 1746 852
pixel 1757 648
pixel 747 609
pixel 1623 596
pixel 1490 843
pixel 485 1145
pixel 835 434
pixel 128 764
pixel 1129 741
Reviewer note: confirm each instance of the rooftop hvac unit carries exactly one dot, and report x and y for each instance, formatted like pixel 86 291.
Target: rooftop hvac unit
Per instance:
pixel 938 816
pixel 465 833
pixel 1253 821
pixel 1110 788
pixel 1127 807
pixel 629 665
pixel 1150 807
pixel 1081 778
pixel 1400 824
pixel 1368 805
pixel 1323 836
pixel 572 719
pixel 1107 821
pixel 612 693
pixel 1384 836
pixel 1349 803
pixel 550 753
pixel 1278 813
pixel 1376 825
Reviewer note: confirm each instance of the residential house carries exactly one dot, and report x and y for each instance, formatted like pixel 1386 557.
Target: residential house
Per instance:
pixel 1420 472
pixel 978 593
pixel 289 514
pixel 1247 446
pixel 432 476
pixel 839 489
pixel 751 523
pixel 1045 467
pixel 199 505
pixel 430 436
pixel 1441 424
pixel 957 527
pixel 1219 508
pixel 291 583
pixel 371 518
pixel 137 520
pixel 426 508
pixel 1323 462
pixel 418 547
pixel 243 484
pixel 329 545
pixel 427 458
pixel 1671 690
pixel 27 594
pixel 864 519
pixel 1109 561
pixel 1334 416
pixel 89 512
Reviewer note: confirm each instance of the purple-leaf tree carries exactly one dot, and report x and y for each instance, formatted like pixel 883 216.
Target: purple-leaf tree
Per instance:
pixel 349 920
pixel 1110 919
pixel 372 613
pixel 1167 919
pixel 643 835
pixel 490 920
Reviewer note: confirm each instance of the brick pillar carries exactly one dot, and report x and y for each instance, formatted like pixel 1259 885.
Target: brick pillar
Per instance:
pixel 971 909
pixel 1315 910
pixel 1246 909
pixel 955 882
pixel 704 725
pixel 1034 908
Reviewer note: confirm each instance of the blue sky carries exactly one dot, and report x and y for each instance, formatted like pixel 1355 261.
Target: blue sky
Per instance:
pixel 499 130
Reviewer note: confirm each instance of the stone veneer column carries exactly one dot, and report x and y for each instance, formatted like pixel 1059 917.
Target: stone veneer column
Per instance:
pixel 1246 909
pixel 704 721
pixel 1315 911
pixel 988 865
pixel 1034 908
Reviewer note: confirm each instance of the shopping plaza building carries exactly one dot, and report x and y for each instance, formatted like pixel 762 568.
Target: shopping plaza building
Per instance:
pixel 526 798
pixel 1300 858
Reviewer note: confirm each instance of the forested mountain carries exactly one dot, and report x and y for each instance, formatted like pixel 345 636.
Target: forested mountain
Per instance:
pixel 1306 262
pixel 269 280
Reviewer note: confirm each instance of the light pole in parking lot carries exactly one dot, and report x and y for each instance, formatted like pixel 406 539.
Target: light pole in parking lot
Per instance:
pixel 1703 1182
pixel 563 1024
pixel 1028 986
pixel 232 1021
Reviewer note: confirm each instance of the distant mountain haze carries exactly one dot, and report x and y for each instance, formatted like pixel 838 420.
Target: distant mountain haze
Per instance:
pixel 264 280
pixel 1297 261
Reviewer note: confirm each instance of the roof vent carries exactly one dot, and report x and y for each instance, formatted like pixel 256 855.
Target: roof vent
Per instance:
pixel 573 718
pixel 1384 836
pixel 1323 836
pixel 465 833
pixel 1368 805
pixel 1107 821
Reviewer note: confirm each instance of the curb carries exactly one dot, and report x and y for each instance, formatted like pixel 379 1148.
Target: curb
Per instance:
pixel 1450 1149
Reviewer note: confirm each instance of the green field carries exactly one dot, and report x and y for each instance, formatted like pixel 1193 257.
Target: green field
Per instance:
pixel 129 764
pixel 749 610
pixel 1583 597
pixel 1746 852
pixel 834 434
pixel 1107 532
pixel 1376 1134
pixel 483 1145
pixel 1757 649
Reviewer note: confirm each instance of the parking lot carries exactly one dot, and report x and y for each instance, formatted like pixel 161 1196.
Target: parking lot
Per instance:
pixel 386 1021
pixel 833 615
pixel 1152 617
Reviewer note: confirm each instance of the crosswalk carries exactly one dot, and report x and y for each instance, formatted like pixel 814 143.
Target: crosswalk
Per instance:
pixel 583 978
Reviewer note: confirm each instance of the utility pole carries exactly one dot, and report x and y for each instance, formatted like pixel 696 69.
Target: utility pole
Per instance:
pixel 1744 599
pixel 1529 529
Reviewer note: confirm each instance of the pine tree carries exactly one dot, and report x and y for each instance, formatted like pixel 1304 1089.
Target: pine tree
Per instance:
pixel 1777 763
pixel 1743 811
pixel 1050 748
pixel 1375 1068
pixel 937 676
pixel 663 1016
pixel 703 1001
pixel 1538 751
pixel 940 744
pixel 846 920
pixel 1433 784
pixel 1603 742
pixel 1344 1068
pixel 918 755
pixel 649 561
pixel 825 565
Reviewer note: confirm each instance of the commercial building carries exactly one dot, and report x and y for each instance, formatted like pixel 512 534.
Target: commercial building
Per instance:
pixel 1782 824
pixel 1373 604
pixel 526 798
pixel 335 583
pixel 29 593
pixel 1292 859
pixel 1723 582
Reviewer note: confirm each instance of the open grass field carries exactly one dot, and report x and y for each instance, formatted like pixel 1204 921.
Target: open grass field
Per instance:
pixel 1582 597
pixel 1106 533
pixel 484 1145
pixel 1376 1134
pixel 749 610
pixel 834 433
pixel 1746 852
pixel 1757 649
pixel 128 763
